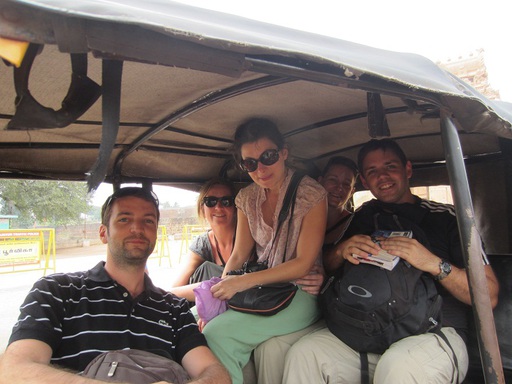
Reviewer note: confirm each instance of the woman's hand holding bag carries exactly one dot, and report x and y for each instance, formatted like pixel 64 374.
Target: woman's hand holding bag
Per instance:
pixel 207 305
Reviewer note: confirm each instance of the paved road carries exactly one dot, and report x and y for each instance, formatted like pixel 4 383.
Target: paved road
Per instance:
pixel 15 286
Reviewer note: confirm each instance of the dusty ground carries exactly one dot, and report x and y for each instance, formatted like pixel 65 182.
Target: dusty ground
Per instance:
pixel 15 286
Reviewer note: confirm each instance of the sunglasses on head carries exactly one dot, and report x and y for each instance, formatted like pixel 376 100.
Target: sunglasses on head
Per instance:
pixel 132 191
pixel 226 201
pixel 269 157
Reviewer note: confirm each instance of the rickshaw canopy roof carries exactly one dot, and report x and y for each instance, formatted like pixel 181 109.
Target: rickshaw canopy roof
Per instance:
pixel 191 76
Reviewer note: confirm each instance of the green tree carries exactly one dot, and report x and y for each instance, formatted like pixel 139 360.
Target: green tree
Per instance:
pixel 94 214
pixel 48 203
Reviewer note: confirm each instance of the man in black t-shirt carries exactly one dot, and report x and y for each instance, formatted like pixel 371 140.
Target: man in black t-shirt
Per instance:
pixel 321 357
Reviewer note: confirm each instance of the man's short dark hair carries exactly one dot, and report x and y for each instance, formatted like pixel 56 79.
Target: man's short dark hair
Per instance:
pixel 142 193
pixel 382 144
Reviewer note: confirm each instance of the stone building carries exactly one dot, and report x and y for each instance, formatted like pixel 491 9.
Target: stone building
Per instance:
pixel 471 68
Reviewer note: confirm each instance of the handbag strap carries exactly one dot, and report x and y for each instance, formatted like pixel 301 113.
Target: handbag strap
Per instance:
pixel 288 201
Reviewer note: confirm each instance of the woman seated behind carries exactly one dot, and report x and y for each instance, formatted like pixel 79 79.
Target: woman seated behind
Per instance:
pixel 210 251
pixel 339 179
pixel 260 150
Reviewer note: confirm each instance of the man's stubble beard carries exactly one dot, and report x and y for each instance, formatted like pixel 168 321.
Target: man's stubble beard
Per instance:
pixel 134 257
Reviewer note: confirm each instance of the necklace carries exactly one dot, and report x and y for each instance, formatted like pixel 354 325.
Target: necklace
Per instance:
pixel 218 249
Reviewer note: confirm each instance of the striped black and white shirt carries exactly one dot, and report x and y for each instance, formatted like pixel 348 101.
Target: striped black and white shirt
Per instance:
pixel 80 315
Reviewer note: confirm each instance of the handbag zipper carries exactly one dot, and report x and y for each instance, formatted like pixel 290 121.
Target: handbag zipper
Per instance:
pixel 112 370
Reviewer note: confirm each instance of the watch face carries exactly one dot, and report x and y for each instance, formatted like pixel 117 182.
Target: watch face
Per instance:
pixel 446 268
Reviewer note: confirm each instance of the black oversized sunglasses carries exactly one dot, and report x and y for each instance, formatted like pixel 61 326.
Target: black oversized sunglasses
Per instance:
pixel 269 157
pixel 226 201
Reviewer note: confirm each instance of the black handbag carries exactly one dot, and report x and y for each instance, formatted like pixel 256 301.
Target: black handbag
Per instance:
pixel 268 299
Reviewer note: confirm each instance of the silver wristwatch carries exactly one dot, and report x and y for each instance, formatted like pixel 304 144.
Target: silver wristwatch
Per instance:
pixel 445 268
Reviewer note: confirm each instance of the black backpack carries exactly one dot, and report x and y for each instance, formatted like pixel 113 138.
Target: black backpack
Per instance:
pixel 369 308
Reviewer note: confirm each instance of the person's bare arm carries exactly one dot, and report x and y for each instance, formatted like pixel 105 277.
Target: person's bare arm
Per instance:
pixel 308 247
pixel 312 282
pixel 332 258
pixel 180 286
pixel 360 245
pixel 456 282
pixel 244 243
pixel 204 368
pixel 28 361
pixel 192 262
pixel 185 291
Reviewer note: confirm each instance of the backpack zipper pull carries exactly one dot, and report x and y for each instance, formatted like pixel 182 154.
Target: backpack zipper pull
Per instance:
pixel 434 322
pixel 112 369
pixel 327 284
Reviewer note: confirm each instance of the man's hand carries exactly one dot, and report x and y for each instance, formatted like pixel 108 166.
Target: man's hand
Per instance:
pixel 413 252
pixel 358 245
pixel 312 282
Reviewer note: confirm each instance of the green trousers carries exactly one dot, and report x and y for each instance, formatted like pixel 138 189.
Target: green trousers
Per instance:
pixel 232 336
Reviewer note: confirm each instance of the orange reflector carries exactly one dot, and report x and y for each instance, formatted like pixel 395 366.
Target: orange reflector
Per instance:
pixel 13 50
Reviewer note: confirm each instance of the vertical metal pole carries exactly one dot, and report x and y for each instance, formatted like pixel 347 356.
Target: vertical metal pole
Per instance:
pixel 470 239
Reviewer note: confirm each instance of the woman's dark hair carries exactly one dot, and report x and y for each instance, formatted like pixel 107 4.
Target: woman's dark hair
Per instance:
pixel 253 130
pixel 383 145
pixel 203 192
pixel 340 160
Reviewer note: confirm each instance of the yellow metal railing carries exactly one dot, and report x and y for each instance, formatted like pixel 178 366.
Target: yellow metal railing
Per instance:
pixel 23 250
pixel 187 234
pixel 162 249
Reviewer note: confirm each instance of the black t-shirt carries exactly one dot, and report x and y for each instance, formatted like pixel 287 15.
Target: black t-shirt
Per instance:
pixel 439 225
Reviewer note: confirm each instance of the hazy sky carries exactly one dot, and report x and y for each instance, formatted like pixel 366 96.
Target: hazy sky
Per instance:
pixel 439 30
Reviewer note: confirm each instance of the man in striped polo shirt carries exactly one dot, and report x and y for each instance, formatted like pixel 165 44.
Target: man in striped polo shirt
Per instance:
pixel 68 319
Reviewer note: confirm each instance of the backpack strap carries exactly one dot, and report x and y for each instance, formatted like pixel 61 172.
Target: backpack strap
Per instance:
pixel 455 361
pixel 365 371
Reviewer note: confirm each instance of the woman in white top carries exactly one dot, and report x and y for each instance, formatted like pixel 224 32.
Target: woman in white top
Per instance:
pixel 338 178
pixel 260 150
